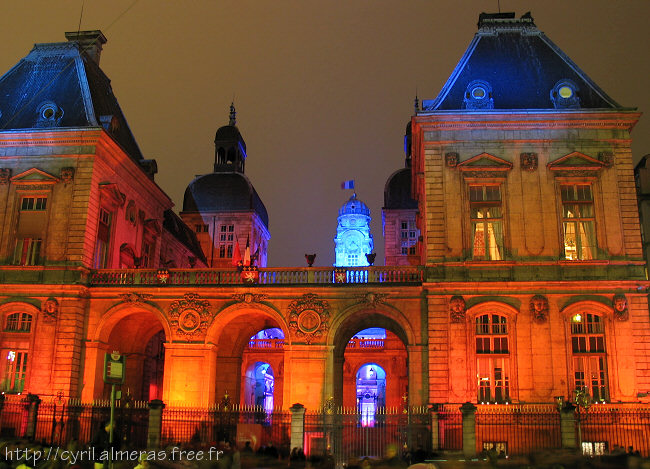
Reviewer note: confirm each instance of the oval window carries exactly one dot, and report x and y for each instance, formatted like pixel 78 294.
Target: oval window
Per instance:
pixel 478 92
pixel 566 92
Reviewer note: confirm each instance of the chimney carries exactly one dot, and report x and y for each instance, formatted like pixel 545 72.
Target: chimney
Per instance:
pixel 90 42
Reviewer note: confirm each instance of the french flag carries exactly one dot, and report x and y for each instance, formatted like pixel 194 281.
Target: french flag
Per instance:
pixel 347 184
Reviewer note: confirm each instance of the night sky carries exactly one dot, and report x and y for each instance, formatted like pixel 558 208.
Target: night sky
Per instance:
pixel 323 89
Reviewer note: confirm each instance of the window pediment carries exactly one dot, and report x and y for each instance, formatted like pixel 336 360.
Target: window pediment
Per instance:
pixel 34 177
pixel 485 165
pixel 575 163
pixel 111 195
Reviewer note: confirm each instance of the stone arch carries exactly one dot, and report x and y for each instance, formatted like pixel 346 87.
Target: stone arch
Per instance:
pixel 600 305
pixel 351 321
pixel 130 328
pixel 230 332
pixel 18 307
pixel 491 305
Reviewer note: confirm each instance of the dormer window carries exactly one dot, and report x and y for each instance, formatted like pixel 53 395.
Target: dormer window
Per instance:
pixel 478 95
pixel 49 114
pixel 564 95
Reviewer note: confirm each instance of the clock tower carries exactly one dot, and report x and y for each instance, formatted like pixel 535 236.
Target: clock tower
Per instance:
pixel 353 239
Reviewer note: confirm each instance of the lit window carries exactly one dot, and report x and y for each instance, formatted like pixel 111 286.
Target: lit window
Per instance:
pixel 19 322
pixel 492 358
pixel 15 370
pixel 578 222
pixel 100 258
pixel 589 358
pixel 408 237
pixel 32 223
pixel 486 217
pixel 33 203
pixel 28 251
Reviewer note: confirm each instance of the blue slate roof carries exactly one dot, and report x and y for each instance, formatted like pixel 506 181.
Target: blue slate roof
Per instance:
pixel 519 68
pixel 63 78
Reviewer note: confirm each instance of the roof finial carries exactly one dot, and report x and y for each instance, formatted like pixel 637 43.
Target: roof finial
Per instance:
pixel 416 102
pixel 233 114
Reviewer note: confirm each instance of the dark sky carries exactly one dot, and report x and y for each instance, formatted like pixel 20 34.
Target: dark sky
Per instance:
pixel 323 89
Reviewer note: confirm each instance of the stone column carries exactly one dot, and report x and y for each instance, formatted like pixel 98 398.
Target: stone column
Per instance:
pixel 154 430
pixel 31 402
pixel 435 435
pixel 297 426
pixel 568 426
pixel 469 429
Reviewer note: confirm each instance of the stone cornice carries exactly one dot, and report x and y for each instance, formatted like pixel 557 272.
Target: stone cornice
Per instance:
pixel 34 138
pixel 527 120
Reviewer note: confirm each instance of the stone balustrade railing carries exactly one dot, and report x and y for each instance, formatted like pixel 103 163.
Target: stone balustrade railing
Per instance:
pixel 266 276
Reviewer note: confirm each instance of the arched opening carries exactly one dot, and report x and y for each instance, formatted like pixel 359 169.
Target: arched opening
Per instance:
pixel 246 338
pixel 378 340
pixel 259 386
pixel 140 337
pixel 371 392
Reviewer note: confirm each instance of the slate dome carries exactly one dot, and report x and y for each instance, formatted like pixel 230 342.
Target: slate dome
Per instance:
pixel 223 192
pixel 397 192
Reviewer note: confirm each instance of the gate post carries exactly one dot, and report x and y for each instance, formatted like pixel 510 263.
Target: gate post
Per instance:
pixel 435 431
pixel 154 429
pixel 297 426
pixel 31 402
pixel 568 426
pixel 469 429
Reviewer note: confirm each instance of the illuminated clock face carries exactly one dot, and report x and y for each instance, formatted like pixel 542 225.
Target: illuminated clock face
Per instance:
pixel 353 241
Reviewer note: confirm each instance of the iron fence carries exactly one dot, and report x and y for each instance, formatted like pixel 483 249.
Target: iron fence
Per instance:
pixel 517 428
pixel 14 415
pixel 606 426
pixel 209 425
pixel 450 427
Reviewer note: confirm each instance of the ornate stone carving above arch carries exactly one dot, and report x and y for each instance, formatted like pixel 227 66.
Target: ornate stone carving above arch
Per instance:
pixel 621 312
pixel 249 297
pixel 135 298
pixel 539 308
pixel 50 310
pixel 308 318
pixel 457 309
pixel 190 317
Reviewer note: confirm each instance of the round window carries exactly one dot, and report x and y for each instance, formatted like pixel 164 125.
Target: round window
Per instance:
pixel 48 113
pixel 565 92
pixel 478 92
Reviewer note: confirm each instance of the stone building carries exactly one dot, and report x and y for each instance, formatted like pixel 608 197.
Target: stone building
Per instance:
pixel 514 263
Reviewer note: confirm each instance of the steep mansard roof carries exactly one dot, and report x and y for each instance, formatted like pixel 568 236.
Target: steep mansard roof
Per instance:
pixel 60 85
pixel 516 66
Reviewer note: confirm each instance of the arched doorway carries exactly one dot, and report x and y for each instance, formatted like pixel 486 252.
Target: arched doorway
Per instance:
pixel 259 386
pixel 379 346
pixel 139 335
pixel 371 392
pixel 248 341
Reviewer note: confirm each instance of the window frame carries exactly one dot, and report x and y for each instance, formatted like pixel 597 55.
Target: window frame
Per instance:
pixel 33 253
pixel 469 220
pixel 473 356
pixel 577 220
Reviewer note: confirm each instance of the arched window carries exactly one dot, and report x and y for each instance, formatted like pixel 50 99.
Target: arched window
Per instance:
pixel 588 355
pixel 19 322
pixel 492 358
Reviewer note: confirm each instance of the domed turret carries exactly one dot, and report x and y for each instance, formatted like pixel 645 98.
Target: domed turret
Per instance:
pixel 353 239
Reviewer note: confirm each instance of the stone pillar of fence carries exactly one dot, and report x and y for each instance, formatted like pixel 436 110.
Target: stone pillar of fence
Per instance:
pixel 435 436
pixel 31 402
pixel 154 430
pixel 568 426
pixel 297 426
pixel 469 429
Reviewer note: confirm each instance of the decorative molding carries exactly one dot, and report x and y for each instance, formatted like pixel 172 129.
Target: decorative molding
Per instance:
pixel 112 195
pixel 575 164
pixel 5 176
pixel 67 174
pixel 539 308
pixel 607 157
pixel 621 312
pixel 308 317
pixel 457 308
pixel 528 161
pixel 50 310
pixel 371 298
pixel 451 159
pixel 134 298
pixel 34 177
pixel 190 316
pixel 249 297
pixel 485 165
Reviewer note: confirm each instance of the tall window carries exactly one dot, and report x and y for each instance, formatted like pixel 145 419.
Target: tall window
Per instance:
pixel 226 240
pixel 588 349
pixel 15 371
pixel 486 217
pixel 19 322
pixel 100 260
pixel 578 221
pixel 408 237
pixel 32 221
pixel 492 358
